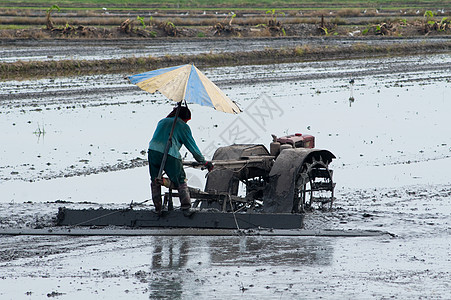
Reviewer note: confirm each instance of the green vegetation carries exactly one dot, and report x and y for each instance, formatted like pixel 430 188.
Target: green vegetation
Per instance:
pixel 274 14
pixel 429 16
pixel 233 18
pixel 229 4
pixel 12 26
pixel 48 19
pixel 443 21
pixel 141 19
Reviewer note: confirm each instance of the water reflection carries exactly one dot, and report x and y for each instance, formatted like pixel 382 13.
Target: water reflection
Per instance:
pixel 351 89
pixel 174 260
pixel 169 254
pixel 39 132
pixel 250 251
pixel 177 252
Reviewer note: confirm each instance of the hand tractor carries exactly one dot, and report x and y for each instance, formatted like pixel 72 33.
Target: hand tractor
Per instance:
pixel 249 187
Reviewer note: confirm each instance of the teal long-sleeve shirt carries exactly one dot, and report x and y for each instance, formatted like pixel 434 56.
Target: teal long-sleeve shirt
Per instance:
pixel 182 136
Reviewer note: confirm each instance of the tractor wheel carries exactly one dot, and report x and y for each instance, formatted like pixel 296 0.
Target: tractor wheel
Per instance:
pixel 314 184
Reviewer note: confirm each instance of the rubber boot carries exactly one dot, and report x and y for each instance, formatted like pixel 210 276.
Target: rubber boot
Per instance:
pixel 185 199
pixel 156 196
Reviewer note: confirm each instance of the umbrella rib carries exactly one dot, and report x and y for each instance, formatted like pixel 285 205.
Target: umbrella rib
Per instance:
pixel 186 83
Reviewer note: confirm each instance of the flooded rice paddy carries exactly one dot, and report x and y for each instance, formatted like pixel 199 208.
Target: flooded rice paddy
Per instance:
pixel 32 50
pixel 82 141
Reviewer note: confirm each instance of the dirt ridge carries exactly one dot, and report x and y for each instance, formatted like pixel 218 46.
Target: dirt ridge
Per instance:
pixel 31 69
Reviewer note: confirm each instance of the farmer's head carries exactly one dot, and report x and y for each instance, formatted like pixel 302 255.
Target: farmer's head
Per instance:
pixel 184 114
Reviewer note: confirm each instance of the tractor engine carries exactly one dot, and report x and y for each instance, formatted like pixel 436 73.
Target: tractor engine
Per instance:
pixel 297 140
pixel 289 178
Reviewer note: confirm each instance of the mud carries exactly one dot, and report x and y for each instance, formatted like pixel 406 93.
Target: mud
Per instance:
pixel 285 51
pixel 80 142
pixel 12 50
pixel 206 23
pixel 45 105
pixel 415 263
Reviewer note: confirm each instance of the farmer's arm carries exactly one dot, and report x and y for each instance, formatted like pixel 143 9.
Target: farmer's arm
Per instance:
pixel 190 144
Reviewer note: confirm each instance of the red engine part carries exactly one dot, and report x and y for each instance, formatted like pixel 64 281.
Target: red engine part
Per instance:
pixel 298 140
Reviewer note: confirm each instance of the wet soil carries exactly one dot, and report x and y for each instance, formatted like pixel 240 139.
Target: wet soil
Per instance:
pixel 40 108
pixel 208 23
pixel 415 262
pixel 80 142
pixel 66 59
pixel 13 50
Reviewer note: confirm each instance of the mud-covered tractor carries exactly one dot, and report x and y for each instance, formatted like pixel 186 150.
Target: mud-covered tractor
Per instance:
pixel 249 187
pixel 290 178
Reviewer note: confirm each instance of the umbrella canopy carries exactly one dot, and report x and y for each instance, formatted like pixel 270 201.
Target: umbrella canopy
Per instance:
pixel 187 83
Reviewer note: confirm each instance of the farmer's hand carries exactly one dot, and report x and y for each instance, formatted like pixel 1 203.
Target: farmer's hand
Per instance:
pixel 209 166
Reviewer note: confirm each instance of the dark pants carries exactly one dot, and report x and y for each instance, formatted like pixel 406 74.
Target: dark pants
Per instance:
pixel 173 167
pixel 175 172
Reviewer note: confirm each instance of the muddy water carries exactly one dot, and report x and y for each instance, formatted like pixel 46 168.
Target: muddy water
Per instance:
pixel 80 139
pixel 14 50
pixel 66 127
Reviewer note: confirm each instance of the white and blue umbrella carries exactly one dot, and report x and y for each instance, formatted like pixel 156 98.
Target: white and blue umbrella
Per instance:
pixel 180 83
pixel 187 83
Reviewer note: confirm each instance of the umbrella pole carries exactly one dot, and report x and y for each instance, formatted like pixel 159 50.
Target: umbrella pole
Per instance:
pixel 168 144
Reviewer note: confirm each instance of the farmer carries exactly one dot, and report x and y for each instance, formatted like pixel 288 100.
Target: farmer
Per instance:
pixel 173 166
